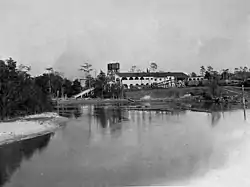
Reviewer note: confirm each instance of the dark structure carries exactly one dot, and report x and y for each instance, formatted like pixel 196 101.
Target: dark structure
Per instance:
pixel 113 68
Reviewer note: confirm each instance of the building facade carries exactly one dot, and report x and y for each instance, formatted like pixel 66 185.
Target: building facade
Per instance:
pixel 195 81
pixel 165 79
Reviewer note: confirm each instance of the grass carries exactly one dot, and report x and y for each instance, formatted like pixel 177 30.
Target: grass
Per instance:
pixel 178 92
pixel 166 93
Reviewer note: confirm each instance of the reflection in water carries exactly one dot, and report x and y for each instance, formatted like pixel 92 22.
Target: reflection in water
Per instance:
pixel 213 107
pixel 217 110
pixel 215 118
pixel 111 118
pixel 70 111
pixel 12 155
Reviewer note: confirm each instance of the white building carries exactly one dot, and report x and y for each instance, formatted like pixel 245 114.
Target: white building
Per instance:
pixel 129 79
pixel 195 81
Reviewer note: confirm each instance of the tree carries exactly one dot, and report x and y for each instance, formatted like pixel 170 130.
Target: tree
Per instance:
pixel 225 74
pixel 207 75
pixel 153 66
pixel 66 88
pixel 19 92
pixel 210 69
pixel 76 87
pixel 106 87
pixel 193 74
pixel 50 71
pixel 101 85
pixel 89 82
pixel 138 70
pixel 245 70
pixel 86 67
pixel 241 73
pixel 133 68
pixel 202 70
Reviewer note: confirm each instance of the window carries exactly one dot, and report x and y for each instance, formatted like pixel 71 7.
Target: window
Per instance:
pixel 131 78
pixel 155 79
pixel 147 78
pixel 160 79
pixel 136 78
pixel 152 79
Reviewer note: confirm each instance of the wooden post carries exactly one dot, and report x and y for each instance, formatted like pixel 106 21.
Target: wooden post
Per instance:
pixel 244 102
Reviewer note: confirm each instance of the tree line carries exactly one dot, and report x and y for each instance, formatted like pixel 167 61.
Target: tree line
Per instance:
pixel 241 73
pixel 22 94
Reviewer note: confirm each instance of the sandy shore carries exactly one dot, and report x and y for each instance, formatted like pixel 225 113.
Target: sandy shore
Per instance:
pixel 30 127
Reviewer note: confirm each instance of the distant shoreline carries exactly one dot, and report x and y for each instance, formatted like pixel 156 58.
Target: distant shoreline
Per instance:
pixel 164 95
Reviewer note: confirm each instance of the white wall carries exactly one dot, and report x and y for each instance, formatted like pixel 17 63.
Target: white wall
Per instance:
pixel 150 80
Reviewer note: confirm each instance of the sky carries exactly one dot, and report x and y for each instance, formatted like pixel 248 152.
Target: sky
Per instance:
pixel 179 35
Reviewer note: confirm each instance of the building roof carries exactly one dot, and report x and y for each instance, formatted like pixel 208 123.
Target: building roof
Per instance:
pixel 152 74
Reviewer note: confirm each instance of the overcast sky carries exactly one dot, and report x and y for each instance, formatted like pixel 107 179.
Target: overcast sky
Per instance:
pixel 179 35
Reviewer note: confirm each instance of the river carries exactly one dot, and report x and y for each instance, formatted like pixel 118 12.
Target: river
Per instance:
pixel 114 147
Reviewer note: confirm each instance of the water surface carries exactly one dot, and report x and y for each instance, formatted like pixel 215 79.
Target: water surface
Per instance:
pixel 112 147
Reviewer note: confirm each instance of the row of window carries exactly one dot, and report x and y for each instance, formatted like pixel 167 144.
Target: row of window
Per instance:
pixel 196 79
pixel 125 85
pixel 142 78
pixel 131 85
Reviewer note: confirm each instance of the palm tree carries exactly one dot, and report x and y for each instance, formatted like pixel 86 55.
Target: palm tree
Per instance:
pixel 86 67
pixel 153 66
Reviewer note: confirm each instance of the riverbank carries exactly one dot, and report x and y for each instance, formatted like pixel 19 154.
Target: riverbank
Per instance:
pixel 164 95
pixel 90 101
pixel 29 127
pixel 180 92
